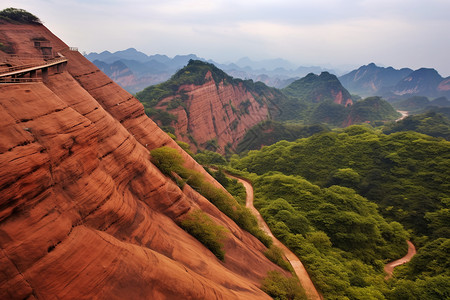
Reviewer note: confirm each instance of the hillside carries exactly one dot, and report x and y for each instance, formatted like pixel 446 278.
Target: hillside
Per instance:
pixel 84 213
pixel 207 108
pixel 430 123
pixel 153 69
pixel 319 88
pixel 322 99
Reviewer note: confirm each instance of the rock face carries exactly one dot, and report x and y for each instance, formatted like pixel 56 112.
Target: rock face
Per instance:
pixel 216 116
pixel 83 212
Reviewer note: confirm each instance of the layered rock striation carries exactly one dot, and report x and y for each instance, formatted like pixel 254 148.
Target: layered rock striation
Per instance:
pixel 84 213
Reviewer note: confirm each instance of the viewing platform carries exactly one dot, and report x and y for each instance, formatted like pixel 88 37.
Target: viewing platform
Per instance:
pixel 36 69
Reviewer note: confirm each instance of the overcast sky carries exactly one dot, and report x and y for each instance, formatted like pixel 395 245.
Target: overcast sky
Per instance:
pixel 398 33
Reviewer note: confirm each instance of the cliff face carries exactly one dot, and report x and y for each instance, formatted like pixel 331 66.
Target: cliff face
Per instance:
pixel 207 108
pixel 84 213
pixel 215 116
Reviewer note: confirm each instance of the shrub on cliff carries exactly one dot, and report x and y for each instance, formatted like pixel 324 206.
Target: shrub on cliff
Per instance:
pixel 279 287
pixel 206 231
pixel 275 255
pixel 17 15
pixel 167 160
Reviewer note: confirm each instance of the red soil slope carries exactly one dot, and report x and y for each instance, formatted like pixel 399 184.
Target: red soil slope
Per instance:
pixel 83 212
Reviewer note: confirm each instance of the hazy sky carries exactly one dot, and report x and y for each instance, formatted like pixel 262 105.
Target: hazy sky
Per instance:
pixel 398 33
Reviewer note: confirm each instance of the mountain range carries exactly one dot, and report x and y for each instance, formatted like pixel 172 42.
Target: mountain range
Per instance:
pixel 135 70
pixel 394 85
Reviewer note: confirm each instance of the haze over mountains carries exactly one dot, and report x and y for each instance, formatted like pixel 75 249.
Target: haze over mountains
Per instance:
pixel 134 70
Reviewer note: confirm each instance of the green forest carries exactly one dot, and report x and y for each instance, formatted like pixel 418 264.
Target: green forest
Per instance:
pixel 345 201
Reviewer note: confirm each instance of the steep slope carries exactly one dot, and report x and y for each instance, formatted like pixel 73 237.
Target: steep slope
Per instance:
pixel 371 80
pixel 207 108
pixel 84 213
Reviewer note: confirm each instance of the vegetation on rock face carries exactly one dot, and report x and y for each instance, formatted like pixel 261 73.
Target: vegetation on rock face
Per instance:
pixel 170 162
pixel 280 287
pixel 276 256
pixel 234 187
pixel 194 73
pixel 206 231
pixel 20 16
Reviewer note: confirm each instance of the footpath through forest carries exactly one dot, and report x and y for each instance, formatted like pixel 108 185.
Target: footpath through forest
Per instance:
pixel 389 268
pixel 297 265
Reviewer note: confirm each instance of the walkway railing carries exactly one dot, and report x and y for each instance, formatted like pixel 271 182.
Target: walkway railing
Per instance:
pixel 14 74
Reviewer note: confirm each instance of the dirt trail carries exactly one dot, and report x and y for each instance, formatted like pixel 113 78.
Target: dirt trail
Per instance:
pixel 389 268
pixel 299 269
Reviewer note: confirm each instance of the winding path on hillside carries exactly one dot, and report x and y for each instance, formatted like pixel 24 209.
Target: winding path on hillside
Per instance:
pixel 297 265
pixel 389 268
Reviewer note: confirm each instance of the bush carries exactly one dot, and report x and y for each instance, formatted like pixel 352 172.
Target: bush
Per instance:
pixel 17 15
pixel 203 228
pixel 167 160
pixel 279 287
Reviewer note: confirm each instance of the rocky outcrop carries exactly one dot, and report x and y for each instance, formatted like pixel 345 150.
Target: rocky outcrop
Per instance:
pixel 84 213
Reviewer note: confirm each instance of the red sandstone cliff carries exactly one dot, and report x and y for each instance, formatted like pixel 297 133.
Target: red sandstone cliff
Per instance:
pixel 83 212
pixel 208 108
pixel 216 116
